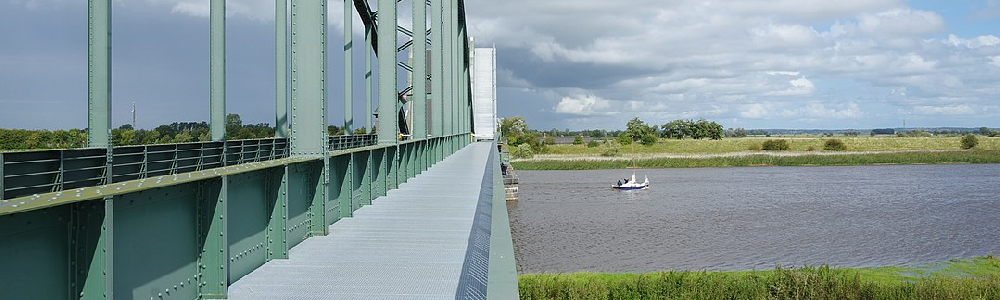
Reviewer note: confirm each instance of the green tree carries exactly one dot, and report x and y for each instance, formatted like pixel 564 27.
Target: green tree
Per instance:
pixel 637 131
pixel 523 151
pixel 676 129
pixel 184 137
pixel 578 140
pixel 515 131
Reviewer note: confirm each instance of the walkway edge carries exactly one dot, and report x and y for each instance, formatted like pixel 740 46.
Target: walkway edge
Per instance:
pixel 502 282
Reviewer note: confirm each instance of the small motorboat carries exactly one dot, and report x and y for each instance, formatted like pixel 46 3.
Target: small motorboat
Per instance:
pixel 631 184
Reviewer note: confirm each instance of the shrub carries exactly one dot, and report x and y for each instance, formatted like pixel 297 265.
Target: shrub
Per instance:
pixel 550 141
pixel 834 145
pixel 611 149
pixel 754 147
pixel 592 144
pixel 523 151
pixel 578 140
pixel 775 145
pixel 969 141
pixel 810 148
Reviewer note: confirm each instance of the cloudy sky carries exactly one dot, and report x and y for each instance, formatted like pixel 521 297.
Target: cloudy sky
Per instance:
pixel 578 64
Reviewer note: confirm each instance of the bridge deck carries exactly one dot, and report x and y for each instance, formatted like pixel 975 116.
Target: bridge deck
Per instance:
pixel 410 244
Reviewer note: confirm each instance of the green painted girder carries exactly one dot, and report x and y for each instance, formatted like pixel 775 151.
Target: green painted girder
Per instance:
pixel 280 68
pixel 99 73
pixel 348 68
pixel 308 115
pixel 217 61
pixel 388 102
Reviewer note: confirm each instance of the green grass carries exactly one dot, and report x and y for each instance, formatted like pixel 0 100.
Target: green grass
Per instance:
pixel 977 278
pixel 921 157
pixel 688 146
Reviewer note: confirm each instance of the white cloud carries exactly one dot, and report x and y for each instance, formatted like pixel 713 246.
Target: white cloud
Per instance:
pixel 976 42
pixel 809 111
pixel 583 105
pixel 799 86
pixel 952 110
pixel 898 22
pixel 197 9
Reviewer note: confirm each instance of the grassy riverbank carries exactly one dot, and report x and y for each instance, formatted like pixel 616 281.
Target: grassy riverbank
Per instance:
pixel 977 278
pixel 734 152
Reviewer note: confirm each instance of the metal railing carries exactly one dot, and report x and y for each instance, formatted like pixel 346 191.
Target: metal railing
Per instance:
pixel 26 173
pixel 343 142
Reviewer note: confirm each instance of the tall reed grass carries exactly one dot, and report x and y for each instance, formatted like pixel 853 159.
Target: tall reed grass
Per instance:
pixel 795 144
pixel 821 282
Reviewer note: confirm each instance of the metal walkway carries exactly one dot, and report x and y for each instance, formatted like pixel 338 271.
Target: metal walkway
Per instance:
pixel 410 244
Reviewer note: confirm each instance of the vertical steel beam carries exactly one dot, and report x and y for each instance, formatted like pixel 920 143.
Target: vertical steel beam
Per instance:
pixel 347 187
pixel 217 57
pixel 212 203
pixel 348 67
pixel 368 80
pixel 308 78
pixel 437 69
pixel 105 245
pixel 277 225
pixel 280 68
pixel 451 42
pixel 419 50
pixel 388 104
pixel 99 74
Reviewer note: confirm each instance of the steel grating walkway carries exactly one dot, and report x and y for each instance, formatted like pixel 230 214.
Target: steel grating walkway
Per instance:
pixel 409 244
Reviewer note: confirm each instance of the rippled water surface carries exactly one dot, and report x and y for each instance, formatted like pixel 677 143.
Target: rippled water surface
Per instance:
pixel 755 218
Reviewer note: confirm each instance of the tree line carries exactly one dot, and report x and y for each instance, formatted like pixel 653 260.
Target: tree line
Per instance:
pixel 126 135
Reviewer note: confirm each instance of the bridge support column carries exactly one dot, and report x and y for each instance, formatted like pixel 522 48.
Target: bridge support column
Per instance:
pixel 308 114
pixel 419 77
pixel 280 68
pixel 99 74
pixel 277 225
pixel 212 260
pixel 217 16
pixel 388 102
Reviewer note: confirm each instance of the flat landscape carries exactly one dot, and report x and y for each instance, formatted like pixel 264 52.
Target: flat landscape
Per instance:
pixel 746 151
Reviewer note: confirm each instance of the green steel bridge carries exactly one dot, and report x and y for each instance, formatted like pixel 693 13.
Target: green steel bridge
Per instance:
pixel 414 211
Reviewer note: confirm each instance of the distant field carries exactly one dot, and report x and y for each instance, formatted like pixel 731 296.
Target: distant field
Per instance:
pixel 888 143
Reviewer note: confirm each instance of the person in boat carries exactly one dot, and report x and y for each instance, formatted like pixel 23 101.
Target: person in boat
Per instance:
pixel 619 182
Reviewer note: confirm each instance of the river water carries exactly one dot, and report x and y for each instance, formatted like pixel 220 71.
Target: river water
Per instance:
pixel 755 218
